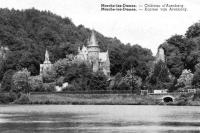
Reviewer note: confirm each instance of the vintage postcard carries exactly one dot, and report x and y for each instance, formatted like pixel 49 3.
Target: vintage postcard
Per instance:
pixel 99 66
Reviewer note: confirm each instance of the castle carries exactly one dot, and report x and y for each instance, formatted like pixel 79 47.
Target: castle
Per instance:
pixel 99 61
pixel 91 54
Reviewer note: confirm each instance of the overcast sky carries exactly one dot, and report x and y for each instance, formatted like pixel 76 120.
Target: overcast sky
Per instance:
pixel 148 29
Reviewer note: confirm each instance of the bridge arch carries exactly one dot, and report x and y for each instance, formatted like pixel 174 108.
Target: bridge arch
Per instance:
pixel 168 98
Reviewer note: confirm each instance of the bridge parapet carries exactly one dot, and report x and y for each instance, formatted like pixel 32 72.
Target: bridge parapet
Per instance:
pixel 162 96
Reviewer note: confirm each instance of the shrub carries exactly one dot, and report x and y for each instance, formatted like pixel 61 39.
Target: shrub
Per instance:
pixel 49 87
pixel 5 98
pixel 20 81
pixel 24 99
pixel 123 86
pixel 115 81
pixel 6 82
pixel 36 83
pixel 60 81
pixel 14 95
pixel 98 81
pixel 186 78
pixel 49 76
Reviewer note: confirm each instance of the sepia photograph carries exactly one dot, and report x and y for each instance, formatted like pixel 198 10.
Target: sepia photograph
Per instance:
pixel 99 66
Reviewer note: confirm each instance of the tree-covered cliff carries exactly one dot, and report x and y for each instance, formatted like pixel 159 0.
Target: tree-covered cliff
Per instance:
pixel 27 33
pixel 183 51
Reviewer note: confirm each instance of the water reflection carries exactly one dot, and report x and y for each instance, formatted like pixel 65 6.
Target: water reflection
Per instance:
pixel 99 119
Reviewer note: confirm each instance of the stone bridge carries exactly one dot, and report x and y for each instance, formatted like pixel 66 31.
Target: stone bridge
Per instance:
pixel 165 97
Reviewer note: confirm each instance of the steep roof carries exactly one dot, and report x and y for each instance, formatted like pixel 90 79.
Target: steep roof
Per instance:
pixel 47 61
pixel 92 41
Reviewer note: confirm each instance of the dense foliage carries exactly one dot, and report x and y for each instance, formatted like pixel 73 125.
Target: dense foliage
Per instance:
pixel 160 78
pixel 182 52
pixel 20 81
pixel 27 33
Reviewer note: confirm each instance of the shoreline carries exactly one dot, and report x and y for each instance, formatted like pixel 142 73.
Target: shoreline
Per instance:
pixel 101 99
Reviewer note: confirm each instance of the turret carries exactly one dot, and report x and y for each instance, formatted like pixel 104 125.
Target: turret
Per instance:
pixel 46 66
pixel 93 52
pixel 47 61
pixel 160 56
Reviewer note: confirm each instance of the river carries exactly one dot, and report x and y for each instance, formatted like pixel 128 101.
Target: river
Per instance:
pixel 99 119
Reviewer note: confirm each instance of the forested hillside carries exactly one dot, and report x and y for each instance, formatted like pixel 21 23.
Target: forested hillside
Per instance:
pixel 27 33
pixel 183 51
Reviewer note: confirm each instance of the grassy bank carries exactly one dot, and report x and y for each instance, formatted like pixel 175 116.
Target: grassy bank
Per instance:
pixel 98 99
pixel 112 99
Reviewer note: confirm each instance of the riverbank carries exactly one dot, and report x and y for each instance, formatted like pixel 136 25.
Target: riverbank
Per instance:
pixel 103 99
pixel 109 99
pixel 98 99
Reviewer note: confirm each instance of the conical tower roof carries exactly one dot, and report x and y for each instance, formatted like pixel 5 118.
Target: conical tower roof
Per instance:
pixel 47 61
pixel 92 41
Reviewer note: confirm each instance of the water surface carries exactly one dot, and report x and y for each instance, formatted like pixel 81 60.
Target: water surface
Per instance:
pixel 99 119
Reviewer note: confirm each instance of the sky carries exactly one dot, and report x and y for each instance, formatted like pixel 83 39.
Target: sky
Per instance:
pixel 148 29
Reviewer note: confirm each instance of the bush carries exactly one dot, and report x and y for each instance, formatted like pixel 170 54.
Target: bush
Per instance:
pixel 6 82
pixel 6 98
pixel 36 83
pixel 98 81
pixel 14 95
pixel 123 86
pixel 49 87
pixel 60 81
pixel 20 81
pixel 49 76
pixel 24 99
pixel 196 96
pixel 196 78
pixel 115 81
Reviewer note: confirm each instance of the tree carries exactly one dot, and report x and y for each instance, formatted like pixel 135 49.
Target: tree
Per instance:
pixel 49 76
pixel 196 78
pixel 133 80
pixel 7 82
pixel 98 81
pixel 181 53
pixel 61 67
pixel 36 83
pixel 161 72
pixel 160 77
pixel 185 79
pixel 20 81
pixel 193 31
pixel 79 75
pixel 114 83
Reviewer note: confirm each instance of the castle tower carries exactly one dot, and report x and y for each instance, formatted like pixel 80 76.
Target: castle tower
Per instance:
pixel 93 52
pixel 47 57
pixel 160 56
pixel 46 66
